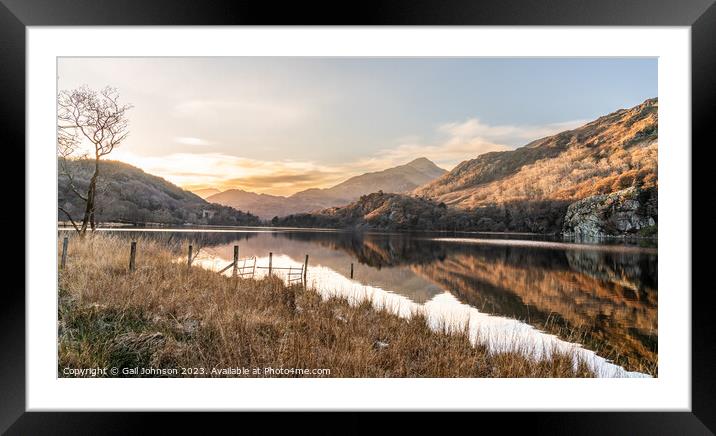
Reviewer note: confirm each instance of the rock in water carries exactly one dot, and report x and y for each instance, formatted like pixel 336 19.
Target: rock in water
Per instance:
pixel 627 212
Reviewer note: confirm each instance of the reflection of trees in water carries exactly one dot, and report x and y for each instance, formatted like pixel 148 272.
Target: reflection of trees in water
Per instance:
pixel 633 270
pixel 636 271
pixel 379 250
pixel 609 297
pixel 400 280
pixel 616 313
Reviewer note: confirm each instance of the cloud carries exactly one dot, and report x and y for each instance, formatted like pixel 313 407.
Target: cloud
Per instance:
pixel 459 141
pixel 283 182
pixel 189 140
pixel 246 115
pixel 222 171
pixel 506 134
pixel 446 154
pixel 454 143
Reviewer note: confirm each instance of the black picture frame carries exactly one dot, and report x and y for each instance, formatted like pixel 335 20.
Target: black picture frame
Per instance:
pixel 700 15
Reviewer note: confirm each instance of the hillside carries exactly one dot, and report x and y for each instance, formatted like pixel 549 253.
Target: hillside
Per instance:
pixel 374 211
pixel 263 205
pixel 606 155
pixel 128 194
pixel 382 211
pixel 531 188
pixel 205 193
pixel 400 179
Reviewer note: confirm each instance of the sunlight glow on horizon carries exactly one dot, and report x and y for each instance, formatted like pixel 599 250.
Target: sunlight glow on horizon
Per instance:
pixel 282 125
pixel 196 171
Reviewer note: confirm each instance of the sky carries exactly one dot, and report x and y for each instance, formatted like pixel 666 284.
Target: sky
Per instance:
pixel 279 125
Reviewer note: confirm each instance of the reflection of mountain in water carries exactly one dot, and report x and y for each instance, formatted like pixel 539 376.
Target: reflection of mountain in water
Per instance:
pixel 380 250
pixel 616 319
pixel 325 253
pixel 631 270
pixel 609 297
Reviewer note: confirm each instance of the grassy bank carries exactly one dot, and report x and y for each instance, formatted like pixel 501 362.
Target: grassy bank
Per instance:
pixel 165 315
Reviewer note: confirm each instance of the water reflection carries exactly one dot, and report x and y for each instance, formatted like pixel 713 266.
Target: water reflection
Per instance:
pixel 539 293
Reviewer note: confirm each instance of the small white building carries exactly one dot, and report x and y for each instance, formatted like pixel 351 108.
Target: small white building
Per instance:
pixel 207 213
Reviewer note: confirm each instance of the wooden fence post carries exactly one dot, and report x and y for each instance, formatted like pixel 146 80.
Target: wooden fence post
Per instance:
pixel 132 254
pixel 64 253
pixel 351 270
pixel 236 260
pixel 189 259
pixel 305 269
pixel 270 262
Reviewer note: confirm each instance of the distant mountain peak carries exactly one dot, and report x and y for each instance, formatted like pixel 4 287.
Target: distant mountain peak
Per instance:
pixel 424 164
pixel 402 178
pixel 205 192
pixel 420 161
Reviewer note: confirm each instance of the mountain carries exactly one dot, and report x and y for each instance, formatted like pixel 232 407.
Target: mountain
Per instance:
pixel 531 188
pixel 263 205
pixel 205 193
pixel 378 210
pixel 128 194
pixel 400 179
pixel 611 153
pixel 401 212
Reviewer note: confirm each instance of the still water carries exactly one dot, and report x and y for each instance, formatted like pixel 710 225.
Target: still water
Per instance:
pixel 510 291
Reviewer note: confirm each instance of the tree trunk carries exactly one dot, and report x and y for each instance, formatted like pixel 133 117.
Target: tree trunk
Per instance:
pixel 88 217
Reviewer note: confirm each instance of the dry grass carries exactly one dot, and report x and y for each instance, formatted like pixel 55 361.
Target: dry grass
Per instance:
pixel 165 315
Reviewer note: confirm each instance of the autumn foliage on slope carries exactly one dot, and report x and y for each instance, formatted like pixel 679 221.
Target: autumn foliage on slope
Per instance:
pixel 611 153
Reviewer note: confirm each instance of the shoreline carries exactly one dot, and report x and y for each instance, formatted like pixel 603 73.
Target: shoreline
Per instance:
pixel 165 315
pixel 564 241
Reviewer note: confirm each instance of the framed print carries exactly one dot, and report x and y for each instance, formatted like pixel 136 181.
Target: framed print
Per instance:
pixel 447 207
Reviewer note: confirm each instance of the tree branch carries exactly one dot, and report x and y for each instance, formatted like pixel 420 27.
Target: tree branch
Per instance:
pixel 70 218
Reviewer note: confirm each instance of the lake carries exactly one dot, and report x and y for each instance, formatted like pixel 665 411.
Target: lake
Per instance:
pixel 522 292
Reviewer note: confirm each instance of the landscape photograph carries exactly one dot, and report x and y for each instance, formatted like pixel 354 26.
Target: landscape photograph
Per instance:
pixel 345 217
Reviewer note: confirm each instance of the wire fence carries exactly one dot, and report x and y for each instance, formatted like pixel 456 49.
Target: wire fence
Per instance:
pixel 241 267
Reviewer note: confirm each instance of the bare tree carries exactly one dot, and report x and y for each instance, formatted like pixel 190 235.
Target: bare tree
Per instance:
pixel 67 146
pixel 88 116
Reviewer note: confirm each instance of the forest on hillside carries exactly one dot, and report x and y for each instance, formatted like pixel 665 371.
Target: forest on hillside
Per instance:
pixel 129 195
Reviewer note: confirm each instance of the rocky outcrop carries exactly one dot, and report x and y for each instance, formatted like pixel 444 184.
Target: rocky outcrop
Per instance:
pixel 631 211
